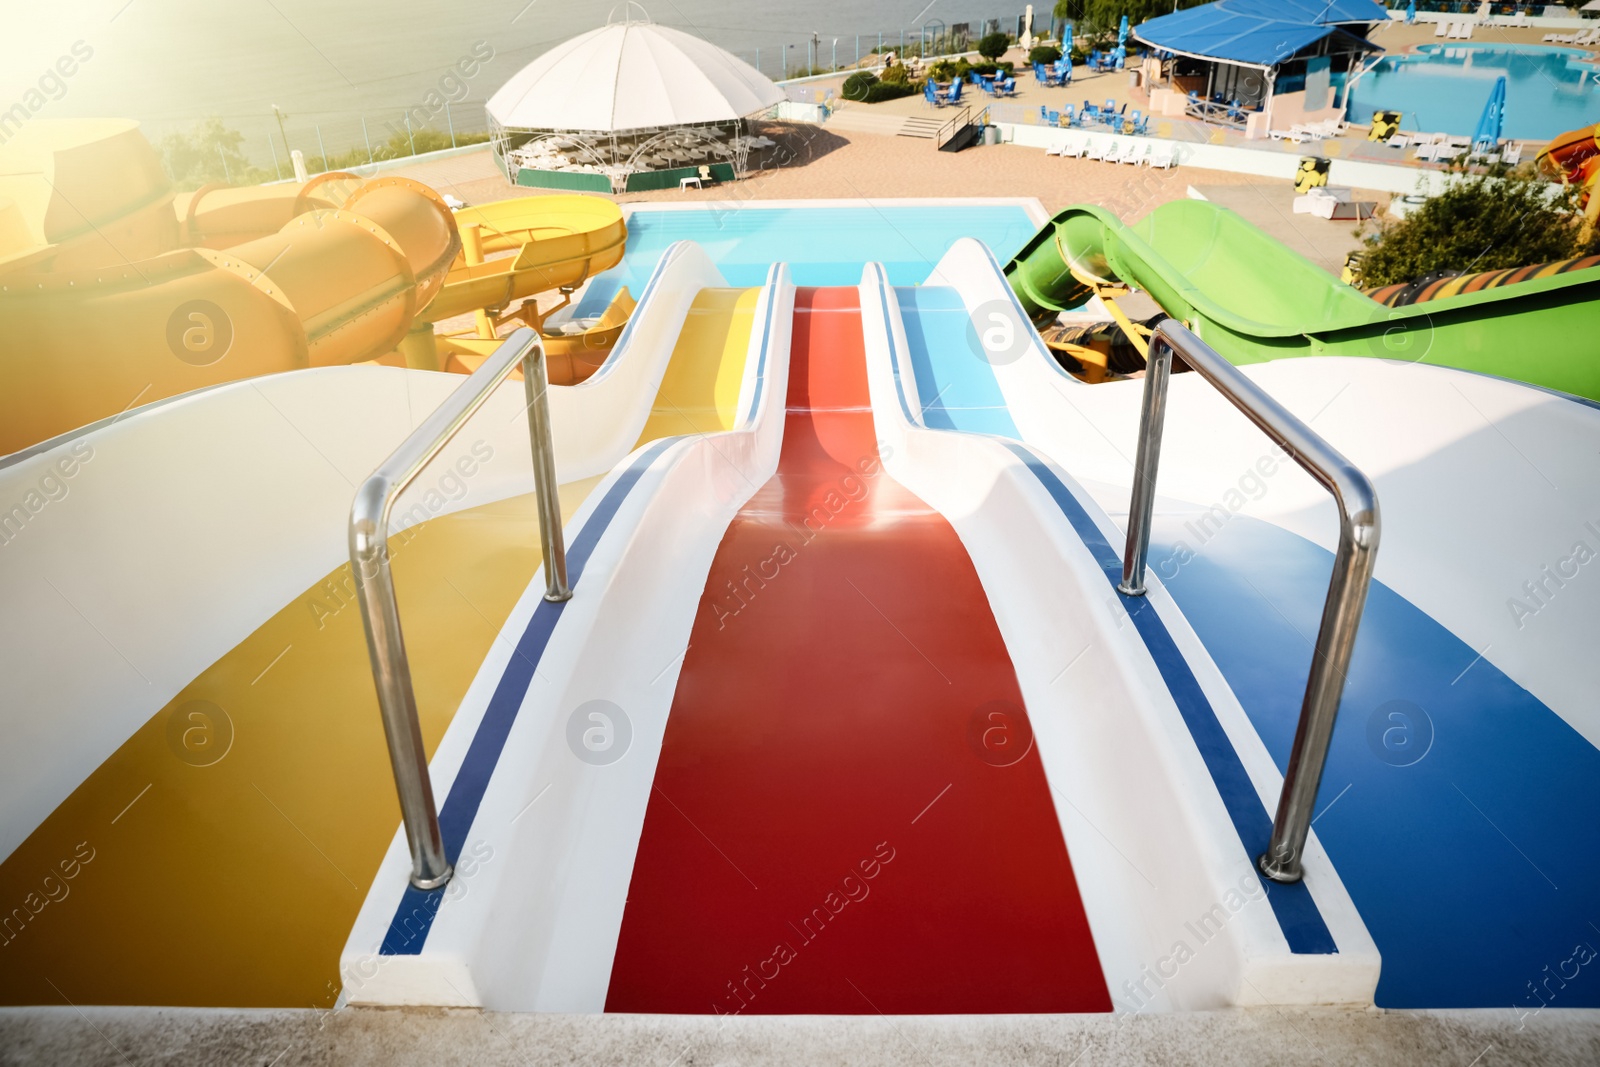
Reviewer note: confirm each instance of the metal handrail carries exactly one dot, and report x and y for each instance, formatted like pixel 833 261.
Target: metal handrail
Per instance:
pixel 1347 589
pixel 380 614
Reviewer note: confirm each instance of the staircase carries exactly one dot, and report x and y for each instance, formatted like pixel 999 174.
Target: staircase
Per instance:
pixel 928 129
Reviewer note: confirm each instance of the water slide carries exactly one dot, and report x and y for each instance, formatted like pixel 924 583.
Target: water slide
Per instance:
pixel 1574 157
pixel 1254 300
pixel 115 293
pixel 217 740
pixel 845 721
pixel 1474 652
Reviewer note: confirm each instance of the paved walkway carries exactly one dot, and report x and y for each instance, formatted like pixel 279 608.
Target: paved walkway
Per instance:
pixel 119 1037
pixel 815 162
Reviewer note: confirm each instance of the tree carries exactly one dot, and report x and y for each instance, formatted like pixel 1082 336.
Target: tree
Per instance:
pixel 1096 18
pixel 993 46
pixel 208 153
pixel 1487 221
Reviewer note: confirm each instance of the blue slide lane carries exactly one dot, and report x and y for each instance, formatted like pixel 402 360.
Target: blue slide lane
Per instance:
pixel 1462 813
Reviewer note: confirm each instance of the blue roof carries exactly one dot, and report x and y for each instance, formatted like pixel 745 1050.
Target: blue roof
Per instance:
pixel 1259 32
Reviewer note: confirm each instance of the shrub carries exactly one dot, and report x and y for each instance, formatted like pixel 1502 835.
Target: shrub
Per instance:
pixel 1487 221
pixel 895 75
pixel 943 71
pixel 891 90
pixel 858 85
pixel 993 45
pixel 1044 53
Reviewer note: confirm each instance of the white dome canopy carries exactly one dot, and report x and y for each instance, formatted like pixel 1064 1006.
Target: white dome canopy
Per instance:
pixel 630 76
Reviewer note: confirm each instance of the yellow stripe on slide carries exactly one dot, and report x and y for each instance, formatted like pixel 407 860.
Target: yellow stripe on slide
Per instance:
pixel 700 391
pixel 219 857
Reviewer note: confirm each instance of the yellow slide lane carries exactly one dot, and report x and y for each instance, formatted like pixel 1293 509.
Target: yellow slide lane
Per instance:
pixel 697 394
pixel 220 855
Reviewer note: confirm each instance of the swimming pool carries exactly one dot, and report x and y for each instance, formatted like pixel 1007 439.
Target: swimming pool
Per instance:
pixel 823 245
pixel 1443 88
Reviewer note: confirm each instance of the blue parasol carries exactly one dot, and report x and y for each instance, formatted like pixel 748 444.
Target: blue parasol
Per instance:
pixel 1490 125
pixel 1121 54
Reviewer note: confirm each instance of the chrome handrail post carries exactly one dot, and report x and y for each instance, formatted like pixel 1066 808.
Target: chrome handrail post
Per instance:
pixel 1152 418
pixel 1359 529
pixel 391 673
pixel 536 388
pixel 380 612
pixel 1330 667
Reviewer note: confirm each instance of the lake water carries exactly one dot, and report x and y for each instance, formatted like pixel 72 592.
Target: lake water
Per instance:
pixel 1443 89
pixel 329 63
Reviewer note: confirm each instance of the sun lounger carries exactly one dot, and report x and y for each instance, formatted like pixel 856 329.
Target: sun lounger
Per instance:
pixel 1443 29
pixel 1098 150
pixel 1466 30
pixel 1399 140
pixel 1137 152
pixel 1074 148
pixel 1163 156
pixel 1512 154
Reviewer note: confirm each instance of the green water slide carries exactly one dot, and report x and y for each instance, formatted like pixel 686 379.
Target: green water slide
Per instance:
pixel 1253 300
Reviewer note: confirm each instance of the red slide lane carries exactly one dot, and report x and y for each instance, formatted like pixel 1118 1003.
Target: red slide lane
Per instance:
pixel 848 816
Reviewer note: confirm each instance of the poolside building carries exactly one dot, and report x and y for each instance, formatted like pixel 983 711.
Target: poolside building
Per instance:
pixel 1258 65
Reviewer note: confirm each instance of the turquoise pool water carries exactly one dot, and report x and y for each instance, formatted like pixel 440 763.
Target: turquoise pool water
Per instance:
pixel 822 245
pixel 1443 88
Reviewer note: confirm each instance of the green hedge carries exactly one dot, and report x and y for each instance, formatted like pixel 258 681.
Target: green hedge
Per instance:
pixel 563 179
pixel 646 180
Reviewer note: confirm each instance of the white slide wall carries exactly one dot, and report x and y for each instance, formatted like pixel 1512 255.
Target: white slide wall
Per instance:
pixel 134 555
pixel 534 925
pixel 1151 842
pixel 1487 486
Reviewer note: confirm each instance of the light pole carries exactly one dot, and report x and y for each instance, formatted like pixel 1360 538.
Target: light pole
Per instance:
pixel 281 116
pixel 835 54
pixel 816 50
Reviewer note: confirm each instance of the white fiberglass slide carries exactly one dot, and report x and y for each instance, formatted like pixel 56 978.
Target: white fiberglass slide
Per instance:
pixel 1180 918
pixel 135 553
pixel 1488 487
pixel 531 918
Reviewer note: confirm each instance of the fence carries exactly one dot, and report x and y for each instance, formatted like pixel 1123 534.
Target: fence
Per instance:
pixel 823 52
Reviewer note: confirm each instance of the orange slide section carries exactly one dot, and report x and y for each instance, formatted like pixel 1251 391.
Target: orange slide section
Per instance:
pixel 115 292
pixel 110 299
pixel 1574 157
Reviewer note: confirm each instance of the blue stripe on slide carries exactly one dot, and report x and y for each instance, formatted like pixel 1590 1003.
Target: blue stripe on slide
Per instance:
pixel 1297 913
pixel 970 401
pixel 1462 813
pixel 408 931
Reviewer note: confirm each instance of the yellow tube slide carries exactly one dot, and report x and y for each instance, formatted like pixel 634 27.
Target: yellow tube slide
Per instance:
pixel 103 308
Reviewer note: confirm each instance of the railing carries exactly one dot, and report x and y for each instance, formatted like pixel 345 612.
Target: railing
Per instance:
pixel 369 563
pixel 963 119
pixel 1347 589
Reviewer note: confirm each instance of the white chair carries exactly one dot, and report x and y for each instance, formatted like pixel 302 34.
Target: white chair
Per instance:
pixel 1443 29
pixel 1135 153
pixel 1055 149
pixel 1098 150
pixel 1512 153
pixel 1163 156
pixel 1074 148
pixel 1399 140
pixel 1466 30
